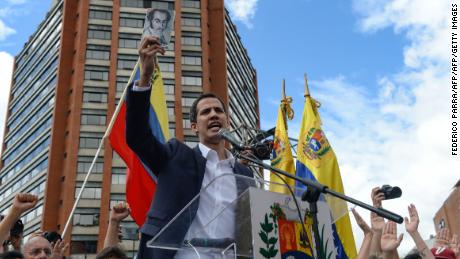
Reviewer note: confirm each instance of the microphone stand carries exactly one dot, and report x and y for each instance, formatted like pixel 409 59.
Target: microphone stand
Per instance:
pixel 312 194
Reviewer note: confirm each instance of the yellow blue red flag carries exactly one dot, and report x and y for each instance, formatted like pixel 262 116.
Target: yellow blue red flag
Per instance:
pixel 316 161
pixel 282 153
pixel 140 181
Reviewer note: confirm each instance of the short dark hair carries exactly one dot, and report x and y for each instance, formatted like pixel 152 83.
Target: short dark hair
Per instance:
pixel 11 255
pixel 151 14
pixel 52 236
pixel 193 109
pixel 413 255
pixel 110 252
pixel 17 229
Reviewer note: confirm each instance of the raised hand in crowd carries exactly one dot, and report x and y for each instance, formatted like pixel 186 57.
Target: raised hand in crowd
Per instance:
pixel 59 248
pixel 411 224
pixel 368 233
pixel 390 241
pixel 119 212
pixel 21 203
pixel 377 222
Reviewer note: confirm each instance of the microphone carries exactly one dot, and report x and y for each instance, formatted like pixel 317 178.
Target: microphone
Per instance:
pixel 227 135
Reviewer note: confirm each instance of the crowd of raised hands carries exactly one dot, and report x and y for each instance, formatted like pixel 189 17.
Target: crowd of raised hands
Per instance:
pixel 381 239
pixel 50 245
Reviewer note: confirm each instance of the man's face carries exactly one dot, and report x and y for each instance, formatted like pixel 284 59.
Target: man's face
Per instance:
pixel 37 248
pixel 210 118
pixel 159 22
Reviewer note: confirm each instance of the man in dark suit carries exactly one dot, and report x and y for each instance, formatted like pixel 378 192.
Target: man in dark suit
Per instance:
pixel 182 171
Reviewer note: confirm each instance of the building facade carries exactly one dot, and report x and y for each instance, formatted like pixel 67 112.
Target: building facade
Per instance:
pixel 66 83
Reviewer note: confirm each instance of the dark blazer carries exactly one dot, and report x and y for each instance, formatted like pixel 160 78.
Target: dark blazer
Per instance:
pixel 179 169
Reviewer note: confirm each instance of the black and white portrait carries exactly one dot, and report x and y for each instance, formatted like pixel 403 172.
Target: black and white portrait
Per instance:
pixel 159 23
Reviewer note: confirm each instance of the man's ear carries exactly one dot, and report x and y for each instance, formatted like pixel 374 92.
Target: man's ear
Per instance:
pixel 193 127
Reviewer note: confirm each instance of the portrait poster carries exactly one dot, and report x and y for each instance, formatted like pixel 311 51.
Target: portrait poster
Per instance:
pixel 159 23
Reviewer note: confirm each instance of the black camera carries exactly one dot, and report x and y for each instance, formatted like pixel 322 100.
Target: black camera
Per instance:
pixel 390 192
pixel 262 150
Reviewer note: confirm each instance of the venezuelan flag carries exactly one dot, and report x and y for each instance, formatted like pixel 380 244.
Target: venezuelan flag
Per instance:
pixel 282 154
pixel 140 181
pixel 316 161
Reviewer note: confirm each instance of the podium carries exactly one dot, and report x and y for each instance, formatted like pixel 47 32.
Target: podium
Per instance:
pixel 243 219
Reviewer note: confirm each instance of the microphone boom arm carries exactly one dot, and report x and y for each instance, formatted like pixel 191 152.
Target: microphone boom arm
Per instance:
pixel 324 189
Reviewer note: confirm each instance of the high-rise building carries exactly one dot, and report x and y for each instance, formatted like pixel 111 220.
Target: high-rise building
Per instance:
pixel 66 83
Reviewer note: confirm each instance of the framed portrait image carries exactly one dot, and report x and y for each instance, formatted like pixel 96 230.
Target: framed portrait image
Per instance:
pixel 159 23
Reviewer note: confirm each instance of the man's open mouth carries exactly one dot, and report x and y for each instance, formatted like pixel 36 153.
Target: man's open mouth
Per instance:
pixel 216 125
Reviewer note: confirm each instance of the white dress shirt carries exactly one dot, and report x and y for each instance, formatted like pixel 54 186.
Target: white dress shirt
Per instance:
pixel 212 220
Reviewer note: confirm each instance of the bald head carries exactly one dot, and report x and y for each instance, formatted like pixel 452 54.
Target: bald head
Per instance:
pixel 37 247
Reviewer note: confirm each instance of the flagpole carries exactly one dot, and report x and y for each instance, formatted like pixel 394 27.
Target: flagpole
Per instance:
pixel 307 91
pixel 107 132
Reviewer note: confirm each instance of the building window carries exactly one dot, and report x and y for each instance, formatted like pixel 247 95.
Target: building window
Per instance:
pixel 86 219
pixel 89 193
pixel 97 73
pixel 96 14
pixel 188 60
pixel 127 62
pixel 122 81
pixel 97 54
pixel 191 80
pixel 100 34
pixel 132 23
pixel 90 119
pixel 190 4
pixel 128 40
pixel 132 3
pixel 166 67
pixel 118 178
pixel 91 97
pixel 84 163
pixel 192 22
pixel 192 41
pixel 90 140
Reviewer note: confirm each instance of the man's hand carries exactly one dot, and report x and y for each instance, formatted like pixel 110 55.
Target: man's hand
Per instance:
pixel 119 212
pixel 377 197
pixel 413 220
pixel 58 249
pixel 148 50
pixel 390 241
pixel 361 223
pixel 23 202
pixel 377 223
pixel 247 152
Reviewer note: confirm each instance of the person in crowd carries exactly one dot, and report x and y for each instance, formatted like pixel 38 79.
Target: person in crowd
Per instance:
pixel 38 247
pixel 11 255
pixel 22 202
pixel 119 212
pixel 445 247
pixel 377 222
pixel 181 170
pixel 390 241
pixel 411 224
pixel 368 233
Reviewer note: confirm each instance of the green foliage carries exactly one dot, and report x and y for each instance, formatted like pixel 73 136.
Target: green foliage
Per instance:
pixel 269 251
